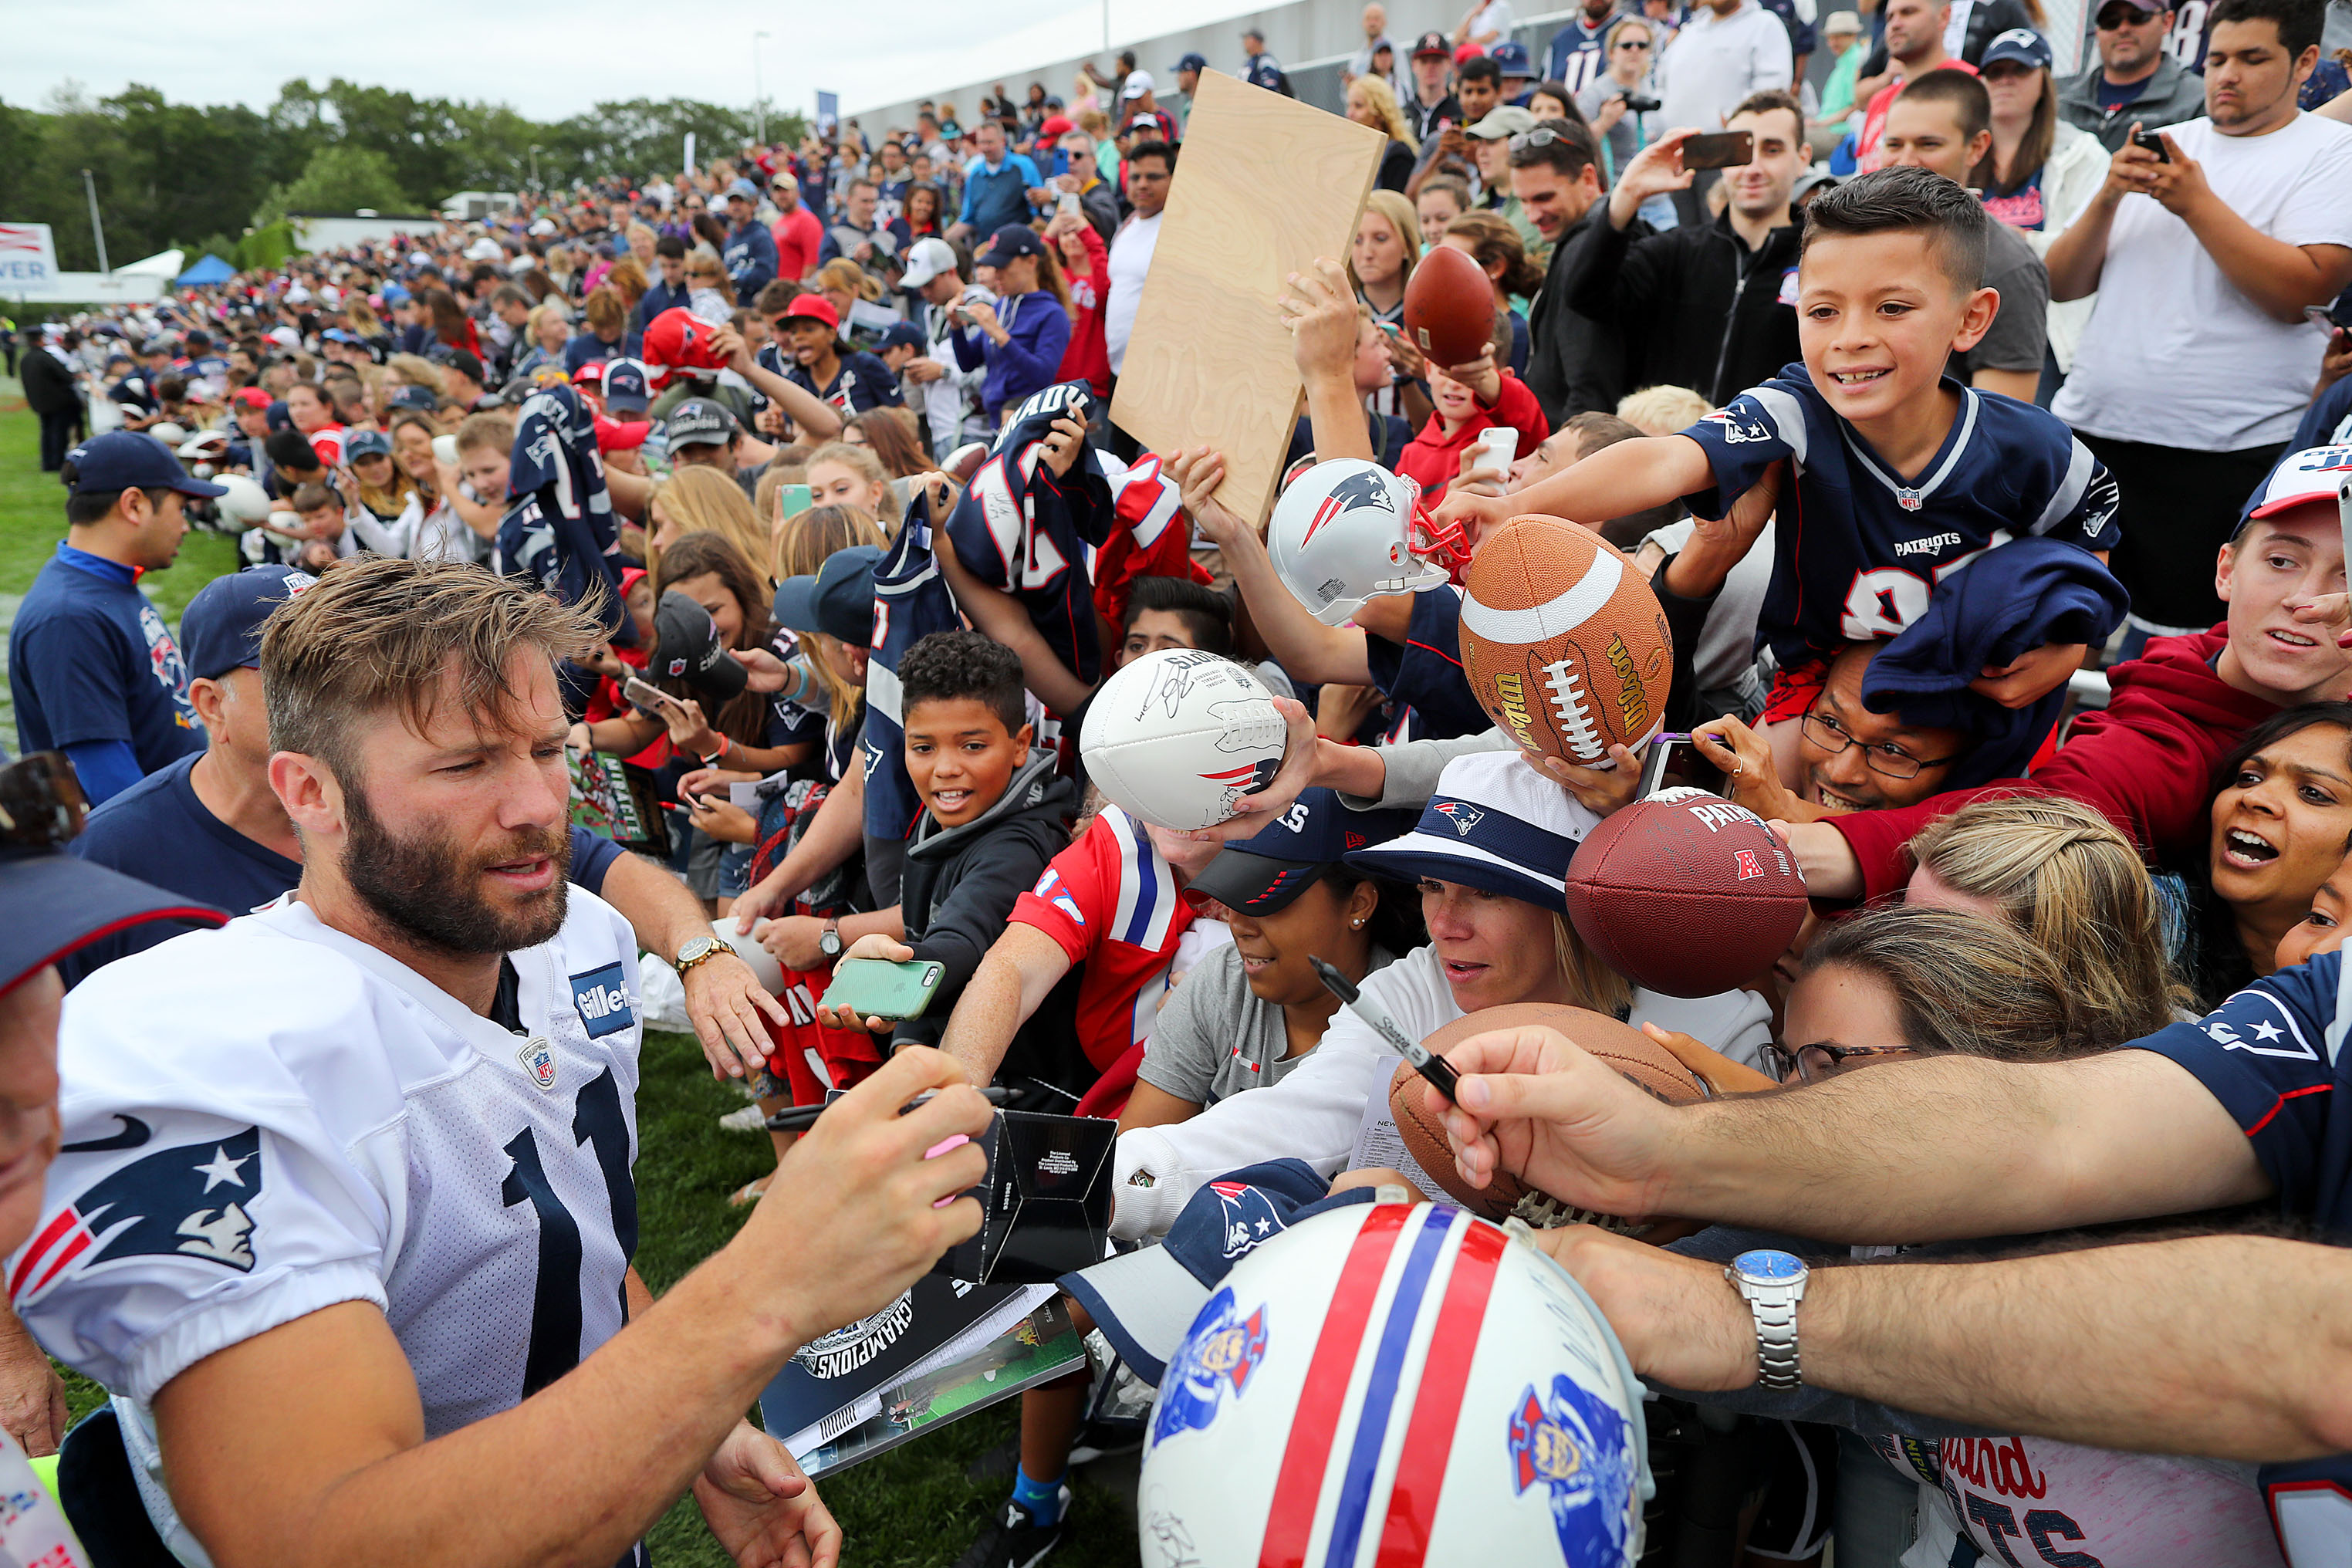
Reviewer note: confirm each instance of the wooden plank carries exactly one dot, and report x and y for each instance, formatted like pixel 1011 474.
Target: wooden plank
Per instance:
pixel 1263 185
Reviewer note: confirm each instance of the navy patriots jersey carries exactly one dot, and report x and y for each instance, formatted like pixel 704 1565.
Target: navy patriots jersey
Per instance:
pixel 1424 671
pixel 1861 548
pixel 911 601
pixel 1019 529
pixel 2274 1056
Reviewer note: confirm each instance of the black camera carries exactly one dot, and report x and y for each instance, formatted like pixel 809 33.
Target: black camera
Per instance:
pixel 1637 104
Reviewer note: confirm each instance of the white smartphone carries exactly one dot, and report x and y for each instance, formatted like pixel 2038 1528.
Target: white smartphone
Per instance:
pixel 1498 445
pixel 445 449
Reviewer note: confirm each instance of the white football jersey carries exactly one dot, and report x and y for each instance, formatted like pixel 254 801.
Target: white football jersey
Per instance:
pixel 274 1117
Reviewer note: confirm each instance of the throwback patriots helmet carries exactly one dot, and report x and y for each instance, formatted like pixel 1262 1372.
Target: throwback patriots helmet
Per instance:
pixel 1342 1400
pixel 1346 530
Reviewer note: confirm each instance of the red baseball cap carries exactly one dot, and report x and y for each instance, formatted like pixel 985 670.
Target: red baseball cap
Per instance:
pixel 251 397
pixel 621 436
pixel 678 339
pixel 1056 125
pixel 592 371
pixel 816 308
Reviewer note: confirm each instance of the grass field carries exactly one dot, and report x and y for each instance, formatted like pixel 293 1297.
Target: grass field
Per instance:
pixel 911 1508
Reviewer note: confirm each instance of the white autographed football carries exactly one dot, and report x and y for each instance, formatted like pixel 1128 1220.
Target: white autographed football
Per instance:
pixel 1176 737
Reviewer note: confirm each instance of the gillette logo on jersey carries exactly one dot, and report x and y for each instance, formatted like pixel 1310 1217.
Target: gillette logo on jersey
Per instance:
pixel 189 1201
pixel 602 996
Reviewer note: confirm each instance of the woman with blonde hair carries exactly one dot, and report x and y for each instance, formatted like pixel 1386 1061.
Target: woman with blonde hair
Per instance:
pixel 845 283
pixel 841 473
pixel 1373 103
pixel 548 329
pixel 700 499
pixel 416 370
pixel 1380 264
pixel 2059 871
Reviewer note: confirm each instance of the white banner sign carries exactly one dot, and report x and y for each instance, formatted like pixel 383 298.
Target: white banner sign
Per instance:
pixel 28 259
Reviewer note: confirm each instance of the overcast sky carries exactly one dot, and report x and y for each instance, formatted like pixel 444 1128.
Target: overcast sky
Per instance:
pixel 551 61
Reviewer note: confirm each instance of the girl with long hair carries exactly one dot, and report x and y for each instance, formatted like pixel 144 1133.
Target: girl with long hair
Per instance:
pixel 1023 335
pixel 1373 103
pixel 700 499
pixel 1490 241
pixel 888 434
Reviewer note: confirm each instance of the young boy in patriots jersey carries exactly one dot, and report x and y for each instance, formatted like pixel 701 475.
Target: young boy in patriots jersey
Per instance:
pixel 1900 474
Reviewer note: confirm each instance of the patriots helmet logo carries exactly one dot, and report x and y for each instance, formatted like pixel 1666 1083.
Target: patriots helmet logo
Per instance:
pixel 1366 488
pixel 1581 1452
pixel 1247 1218
pixel 1223 1351
pixel 188 1201
pixel 1464 816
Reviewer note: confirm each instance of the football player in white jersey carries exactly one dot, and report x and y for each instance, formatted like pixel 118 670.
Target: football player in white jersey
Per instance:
pixel 343 1215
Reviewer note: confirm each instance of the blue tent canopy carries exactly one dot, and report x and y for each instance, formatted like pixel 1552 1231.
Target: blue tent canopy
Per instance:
pixel 211 270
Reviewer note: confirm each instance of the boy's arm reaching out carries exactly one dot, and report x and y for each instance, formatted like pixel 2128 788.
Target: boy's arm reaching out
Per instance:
pixel 1617 480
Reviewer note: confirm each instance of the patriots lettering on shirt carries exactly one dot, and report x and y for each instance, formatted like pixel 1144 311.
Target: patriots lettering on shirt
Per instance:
pixel 1861 548
pixel 322 1125
pixel 911 601
pixel 1113 904
pixel 1423 673
pixel 2274 1056
pixel 1019 529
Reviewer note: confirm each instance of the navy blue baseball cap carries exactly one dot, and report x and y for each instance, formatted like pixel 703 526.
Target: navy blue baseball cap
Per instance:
pixel 358 444
pixel 1196 61
pixel 2023 45
pixel 1264 873
pixel 125 459
pixel 838 601
pixel 54 905
pixel 624 386
pixel 420 398
pixel 1510 58
pixel 221 628
pixel 902 335
pixel 1014 239
pixel 1145 1302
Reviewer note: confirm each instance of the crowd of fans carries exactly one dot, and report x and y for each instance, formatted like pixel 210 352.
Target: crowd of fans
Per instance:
pixel 1980 432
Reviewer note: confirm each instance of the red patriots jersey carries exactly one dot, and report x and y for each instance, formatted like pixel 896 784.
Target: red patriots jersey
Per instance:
pixel 1115 906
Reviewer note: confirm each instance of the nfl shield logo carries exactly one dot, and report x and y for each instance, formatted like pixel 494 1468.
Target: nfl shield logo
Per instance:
pixel 1908 499
pixel 538 1058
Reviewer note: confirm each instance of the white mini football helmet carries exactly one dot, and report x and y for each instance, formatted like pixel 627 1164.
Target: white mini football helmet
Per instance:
pixel 1348 530
pixel 1394 1385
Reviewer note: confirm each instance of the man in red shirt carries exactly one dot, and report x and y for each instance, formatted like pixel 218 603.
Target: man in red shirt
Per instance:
pixel 1914 45
pixel 796 231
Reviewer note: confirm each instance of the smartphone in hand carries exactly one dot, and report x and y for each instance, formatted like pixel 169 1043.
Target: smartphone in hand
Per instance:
pixel 647 695
pixel 1719 150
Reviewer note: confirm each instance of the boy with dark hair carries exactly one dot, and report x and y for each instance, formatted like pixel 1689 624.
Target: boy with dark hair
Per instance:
pixel 1942 122
pixel 293 462
pixel 994 814
pixel 323 532
pixel 1175 612
pixel 1902 475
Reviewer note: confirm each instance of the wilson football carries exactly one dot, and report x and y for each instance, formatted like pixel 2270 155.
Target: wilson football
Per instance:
pixel 1564 644
pixel 1178 736
pixel 1422 1128
pixel 1686 893
pixel 1449 307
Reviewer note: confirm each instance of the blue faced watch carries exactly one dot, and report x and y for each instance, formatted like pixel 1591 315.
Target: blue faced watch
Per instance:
pixel 1772 1283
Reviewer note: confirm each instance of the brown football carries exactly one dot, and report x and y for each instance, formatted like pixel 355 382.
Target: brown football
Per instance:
pixel 1631 1052
pixel 1563 642
pixel 1686 893
pixel 1449 307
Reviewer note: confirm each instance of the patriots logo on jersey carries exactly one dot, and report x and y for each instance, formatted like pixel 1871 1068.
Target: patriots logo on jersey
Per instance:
pixel 1249 1220
pixel 1224 1349
pixel 602 995
pixel 1464 817
pixel 1359 489
pixel 1739 425
pixel 1581 1452
pixel 188 1201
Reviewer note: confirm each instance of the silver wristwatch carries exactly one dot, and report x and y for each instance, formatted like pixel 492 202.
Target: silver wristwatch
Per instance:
pixel 1772 1283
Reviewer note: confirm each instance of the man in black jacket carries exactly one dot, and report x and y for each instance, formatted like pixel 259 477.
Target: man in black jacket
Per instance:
pixel 1707 306
pixel 1576 362
pixel 53 389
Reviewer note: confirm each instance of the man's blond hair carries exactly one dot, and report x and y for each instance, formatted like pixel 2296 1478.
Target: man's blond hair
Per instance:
pixel 378 636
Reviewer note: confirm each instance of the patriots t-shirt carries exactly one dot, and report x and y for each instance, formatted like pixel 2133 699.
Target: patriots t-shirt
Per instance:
pixel 1114 905
pixel 861 381
pixel 911 601
pixel 1425 672
pixel 320 1124
pixel 2274 1056
pixel 1860 547
pixel 90 658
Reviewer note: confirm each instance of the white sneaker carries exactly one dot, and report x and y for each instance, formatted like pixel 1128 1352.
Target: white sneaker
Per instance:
pixel 749 1119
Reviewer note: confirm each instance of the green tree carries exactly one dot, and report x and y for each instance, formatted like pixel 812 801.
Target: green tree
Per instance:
pixel 339 178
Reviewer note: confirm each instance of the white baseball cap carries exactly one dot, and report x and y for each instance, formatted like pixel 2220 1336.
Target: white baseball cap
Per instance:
pixel 926 259
pixel 1138 84
pixel 2313 474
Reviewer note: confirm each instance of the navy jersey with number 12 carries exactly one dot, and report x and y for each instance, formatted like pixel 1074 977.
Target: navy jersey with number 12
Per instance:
pixel 1860 547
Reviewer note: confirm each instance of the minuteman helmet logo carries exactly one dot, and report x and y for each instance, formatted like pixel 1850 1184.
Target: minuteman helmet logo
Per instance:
pixel 1359 489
